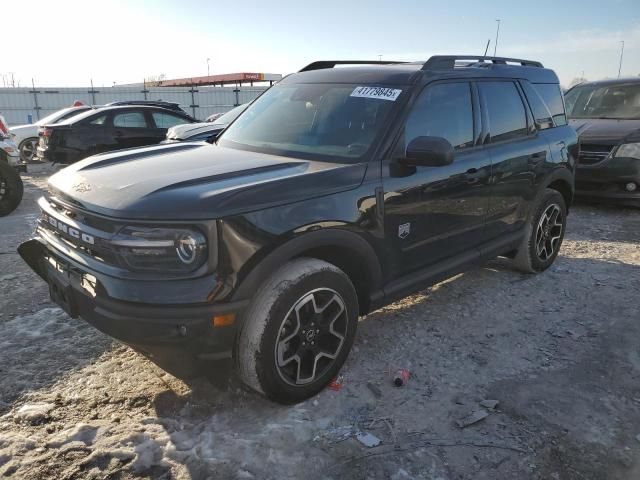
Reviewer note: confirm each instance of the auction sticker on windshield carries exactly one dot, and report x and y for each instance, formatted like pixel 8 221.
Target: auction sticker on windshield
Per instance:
pixel 377 92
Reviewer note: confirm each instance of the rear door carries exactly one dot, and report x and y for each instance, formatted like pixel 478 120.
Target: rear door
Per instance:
pixel 518 154
pixel 433 213
pixel 131 128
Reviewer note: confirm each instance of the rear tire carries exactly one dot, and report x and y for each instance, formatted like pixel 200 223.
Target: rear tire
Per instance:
pixel 11 189
pixel 544 233
pixel 297 331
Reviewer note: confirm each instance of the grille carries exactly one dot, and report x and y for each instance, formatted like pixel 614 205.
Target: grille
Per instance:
pixel 71 227
pixel 592 154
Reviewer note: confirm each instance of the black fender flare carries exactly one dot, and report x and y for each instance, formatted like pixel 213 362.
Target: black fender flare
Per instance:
pixel 563 174
pixel 355 244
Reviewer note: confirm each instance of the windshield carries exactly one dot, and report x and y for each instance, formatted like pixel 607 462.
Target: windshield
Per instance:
pixel 620 101
pixel 230 116
pixel 315 121
pixel 61 115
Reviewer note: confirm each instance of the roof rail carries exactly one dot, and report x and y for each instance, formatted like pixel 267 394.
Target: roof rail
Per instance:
pixel 448 62
pixel 332 63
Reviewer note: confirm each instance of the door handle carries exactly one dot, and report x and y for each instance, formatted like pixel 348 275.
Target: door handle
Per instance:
pixel 472 171
pixel 118 134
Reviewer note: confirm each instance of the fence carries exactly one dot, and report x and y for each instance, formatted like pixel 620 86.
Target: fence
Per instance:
pixel 17 104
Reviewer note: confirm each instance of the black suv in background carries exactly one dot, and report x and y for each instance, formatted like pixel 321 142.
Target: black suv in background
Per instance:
pixel 338 191
pixel 104 129
pixel 606 115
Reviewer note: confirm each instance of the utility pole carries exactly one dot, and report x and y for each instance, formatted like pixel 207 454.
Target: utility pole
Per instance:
pixel 208 66
pixel 379 58
pixel 621 54
pixel 495 45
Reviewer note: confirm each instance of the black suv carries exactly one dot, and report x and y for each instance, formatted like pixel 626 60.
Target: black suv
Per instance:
pixel 104 129
pixel 337 191
pixel 606 115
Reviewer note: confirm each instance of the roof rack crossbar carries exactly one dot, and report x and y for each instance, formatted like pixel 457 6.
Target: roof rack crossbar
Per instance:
pixel 448 62
pixel 332 63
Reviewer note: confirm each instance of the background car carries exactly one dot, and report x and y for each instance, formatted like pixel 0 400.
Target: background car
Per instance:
pixel 26 136
pixel 105 129
pixel 11 187
pixel 205 131
pixel 606 115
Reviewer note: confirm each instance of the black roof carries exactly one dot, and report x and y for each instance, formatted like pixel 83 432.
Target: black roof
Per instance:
pixel 406 73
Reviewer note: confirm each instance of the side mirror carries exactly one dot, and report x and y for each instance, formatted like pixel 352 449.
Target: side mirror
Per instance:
pixel 429 152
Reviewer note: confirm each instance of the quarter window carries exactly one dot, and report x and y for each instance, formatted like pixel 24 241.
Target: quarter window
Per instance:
pixel 552 96
pixel 129 120
pixel 166 120
pixel 507 116
pixel 541 112
pixel 443 110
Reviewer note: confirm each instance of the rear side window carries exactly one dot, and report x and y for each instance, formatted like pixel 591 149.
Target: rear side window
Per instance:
pixel 507 116
pixel 129 120
pixel 552 96
pixel 166 120
pixel 443 110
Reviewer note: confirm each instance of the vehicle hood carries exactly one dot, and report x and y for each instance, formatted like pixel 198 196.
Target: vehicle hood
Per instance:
pixel 184 131
pixel 609 131
pixel 195 181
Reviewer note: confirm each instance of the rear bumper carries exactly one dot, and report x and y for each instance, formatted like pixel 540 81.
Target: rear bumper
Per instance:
pixel 173 336
pixel 607 179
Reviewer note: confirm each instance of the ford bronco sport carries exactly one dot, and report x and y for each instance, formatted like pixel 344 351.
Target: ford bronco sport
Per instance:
pixel 337 191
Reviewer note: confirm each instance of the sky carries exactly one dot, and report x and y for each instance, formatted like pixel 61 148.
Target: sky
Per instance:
pixel 67 43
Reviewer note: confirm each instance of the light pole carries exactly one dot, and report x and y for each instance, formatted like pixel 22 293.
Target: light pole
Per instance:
pixel 621 54
pixel 208 66
pixel 495 45
pixel 379 58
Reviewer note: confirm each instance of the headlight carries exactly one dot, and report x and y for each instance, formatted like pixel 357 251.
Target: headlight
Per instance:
pixel 628 150
pixel 178 250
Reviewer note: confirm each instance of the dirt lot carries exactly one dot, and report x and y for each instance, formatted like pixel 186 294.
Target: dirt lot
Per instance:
pixel 560 352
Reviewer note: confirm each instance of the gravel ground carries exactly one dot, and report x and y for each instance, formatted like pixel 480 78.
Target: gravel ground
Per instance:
pixel 559 352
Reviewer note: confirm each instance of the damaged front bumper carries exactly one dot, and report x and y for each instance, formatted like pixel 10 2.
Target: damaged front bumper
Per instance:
pixel 173 336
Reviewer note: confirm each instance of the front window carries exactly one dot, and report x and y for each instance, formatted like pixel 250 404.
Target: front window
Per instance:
pixel 607 101
pixel 316 121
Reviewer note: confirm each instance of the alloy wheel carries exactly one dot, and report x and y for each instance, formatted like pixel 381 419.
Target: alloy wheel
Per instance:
pixel 549 232
pixel 28 150
pixel 311 336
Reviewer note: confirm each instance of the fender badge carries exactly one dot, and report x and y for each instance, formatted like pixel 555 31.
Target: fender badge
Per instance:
pixel 404 230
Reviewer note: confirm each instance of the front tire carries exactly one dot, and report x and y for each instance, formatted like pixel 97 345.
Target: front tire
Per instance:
pixel 11 189
pixel 543 234
pixel 297 331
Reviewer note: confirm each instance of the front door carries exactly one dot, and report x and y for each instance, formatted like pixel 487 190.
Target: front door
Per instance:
pixel 433 213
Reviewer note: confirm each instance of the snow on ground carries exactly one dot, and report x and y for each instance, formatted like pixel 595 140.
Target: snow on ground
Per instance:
pixel 560 352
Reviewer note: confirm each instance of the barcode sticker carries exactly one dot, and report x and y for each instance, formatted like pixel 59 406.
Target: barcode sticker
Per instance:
pixel 380 93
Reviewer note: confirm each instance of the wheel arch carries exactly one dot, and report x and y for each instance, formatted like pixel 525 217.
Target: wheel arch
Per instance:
pixel 347 250
pixel 562 180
